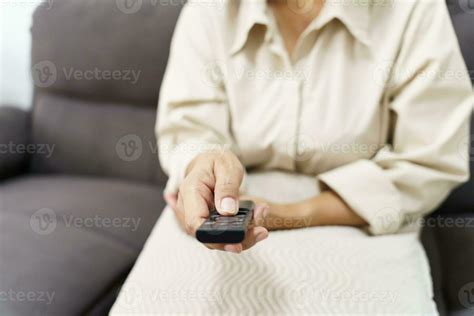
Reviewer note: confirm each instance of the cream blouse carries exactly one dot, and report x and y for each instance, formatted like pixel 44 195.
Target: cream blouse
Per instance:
pixel 374 102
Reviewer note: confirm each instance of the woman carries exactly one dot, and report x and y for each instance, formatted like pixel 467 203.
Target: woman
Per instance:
pixel 371 99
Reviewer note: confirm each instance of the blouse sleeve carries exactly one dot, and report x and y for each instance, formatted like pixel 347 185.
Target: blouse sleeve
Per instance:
pixel 430 103
pixel 193 115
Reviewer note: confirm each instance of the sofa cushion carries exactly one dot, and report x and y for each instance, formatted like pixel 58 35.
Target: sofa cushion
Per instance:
pixel 68 241
pixel 81 202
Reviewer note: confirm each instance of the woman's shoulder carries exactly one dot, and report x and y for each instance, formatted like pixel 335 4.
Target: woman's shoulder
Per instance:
pixel 393 10
pixel 216 11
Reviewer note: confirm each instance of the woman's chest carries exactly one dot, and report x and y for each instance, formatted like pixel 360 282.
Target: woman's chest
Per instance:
pixel 325 108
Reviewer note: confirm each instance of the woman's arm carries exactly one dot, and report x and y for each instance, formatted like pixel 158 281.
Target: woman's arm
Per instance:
pixel 323 210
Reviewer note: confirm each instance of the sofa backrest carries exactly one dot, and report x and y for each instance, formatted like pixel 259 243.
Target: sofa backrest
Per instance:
pixel 97 66
pixel 462 15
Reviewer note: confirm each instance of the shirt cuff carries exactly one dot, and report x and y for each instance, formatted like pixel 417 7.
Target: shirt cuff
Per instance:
pixel 365 187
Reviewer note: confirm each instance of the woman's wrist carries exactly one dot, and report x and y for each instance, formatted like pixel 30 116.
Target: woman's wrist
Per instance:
pixel 292 215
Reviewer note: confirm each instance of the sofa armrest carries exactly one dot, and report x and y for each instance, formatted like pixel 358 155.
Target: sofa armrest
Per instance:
pixel 454 236
pixel 14 136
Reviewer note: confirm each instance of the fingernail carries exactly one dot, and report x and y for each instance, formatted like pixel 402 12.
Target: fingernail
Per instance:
pixel 231 248
pixel 228 205
pixel 261 236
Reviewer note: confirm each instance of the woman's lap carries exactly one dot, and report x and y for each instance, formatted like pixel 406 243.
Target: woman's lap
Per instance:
pixel 323 270
pixel 307 271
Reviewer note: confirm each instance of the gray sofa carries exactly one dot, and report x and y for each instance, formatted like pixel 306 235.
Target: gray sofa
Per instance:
pixel 80 184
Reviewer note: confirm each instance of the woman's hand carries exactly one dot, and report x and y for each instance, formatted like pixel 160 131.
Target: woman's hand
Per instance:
pixel 213 179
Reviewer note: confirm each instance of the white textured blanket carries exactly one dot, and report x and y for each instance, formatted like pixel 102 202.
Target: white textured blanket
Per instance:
pixel 325 270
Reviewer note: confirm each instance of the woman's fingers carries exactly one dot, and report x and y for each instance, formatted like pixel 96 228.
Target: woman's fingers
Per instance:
pixel 192 198
pixel 253 236
pixel 259 214
pixel 215 179
pixel 235 248
pixel 228 173
pixel 172 200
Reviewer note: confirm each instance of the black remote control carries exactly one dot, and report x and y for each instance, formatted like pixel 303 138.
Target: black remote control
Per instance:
pixel 222 229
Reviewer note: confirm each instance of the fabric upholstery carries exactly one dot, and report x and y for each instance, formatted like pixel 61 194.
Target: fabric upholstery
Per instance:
pixel 85 35
pixel 77 262
pixel 14 133
pixel 95 138
pixel 450 249
pixel 456 245
pixel 463 18
pixel 428 239
pixel 462 199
